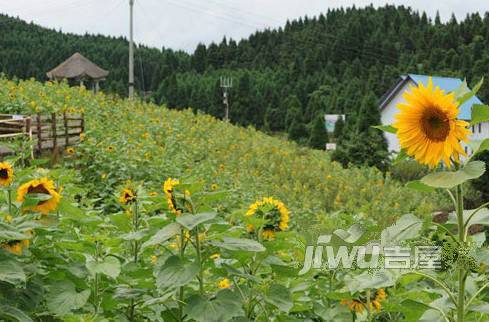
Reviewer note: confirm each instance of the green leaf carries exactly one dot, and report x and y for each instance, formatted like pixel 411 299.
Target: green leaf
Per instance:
pixel 482 308
pixel 240 244
pixel 135 235
pixel 110 266
pixel 224 307
pixel 480 113
pixel 479 146
pixel 8 232
pixel 464 94
pixel 401 156
pixel 190 221
pixel 407 227
pixel 63 298
pixel 10 313
pixel 366 280
pixel 163 235
pixel 11 272
pixel 32 199
pixel 481 217
pixel 386 128
pixel 419 186
pixel 70 211
pixel 450 179
pixel 279 296
pixel 176 272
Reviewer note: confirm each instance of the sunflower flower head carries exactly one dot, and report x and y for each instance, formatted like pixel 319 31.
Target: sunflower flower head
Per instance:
pixel 168 189
pixel 6 174
pixel 43 187
pixel 127 196
pixel 428 128
pixel 224 283
pixel 358 305
pixel 70 151
pixel 274 212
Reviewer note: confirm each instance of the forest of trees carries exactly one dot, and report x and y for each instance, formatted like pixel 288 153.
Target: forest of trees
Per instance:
pixel 341 61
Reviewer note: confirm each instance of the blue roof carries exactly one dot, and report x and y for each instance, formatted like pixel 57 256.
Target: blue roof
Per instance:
pixel 448 84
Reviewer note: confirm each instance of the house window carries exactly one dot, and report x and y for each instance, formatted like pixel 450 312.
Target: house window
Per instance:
pixel 480 127
pixel 466 150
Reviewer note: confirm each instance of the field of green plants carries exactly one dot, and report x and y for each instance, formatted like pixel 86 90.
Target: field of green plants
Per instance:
pixel 171 215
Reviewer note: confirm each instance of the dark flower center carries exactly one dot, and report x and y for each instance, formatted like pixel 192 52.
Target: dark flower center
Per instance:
pixel 3 173
pixel 435 124
pixel 39 189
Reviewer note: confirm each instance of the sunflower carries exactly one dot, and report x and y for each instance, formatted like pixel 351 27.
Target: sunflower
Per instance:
pixel 360 304
pixel 6 174
pixel 110 148
pixel 428 128
pixel 70 151
pixel 224 283
pixel 275 213
pixel 127 196
pixel 268 234
pixel 15 246
pixel 42 186
pixel 214 187
pixel 168 188
pixel 354 305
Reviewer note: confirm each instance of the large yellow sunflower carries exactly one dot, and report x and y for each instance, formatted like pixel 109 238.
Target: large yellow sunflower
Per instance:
pixel 6 174
pixel 427 125
pixel 40 186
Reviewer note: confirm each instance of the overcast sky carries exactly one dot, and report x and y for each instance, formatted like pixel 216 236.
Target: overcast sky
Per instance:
pixel 182 24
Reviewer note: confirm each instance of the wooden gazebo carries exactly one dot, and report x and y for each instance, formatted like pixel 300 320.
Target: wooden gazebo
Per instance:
pixel 78 68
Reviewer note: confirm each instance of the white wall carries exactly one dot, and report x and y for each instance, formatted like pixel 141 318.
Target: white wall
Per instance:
pixel 388 113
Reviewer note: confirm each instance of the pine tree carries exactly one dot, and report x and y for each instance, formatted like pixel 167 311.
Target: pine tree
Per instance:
pixel 338 130
pixel 319 135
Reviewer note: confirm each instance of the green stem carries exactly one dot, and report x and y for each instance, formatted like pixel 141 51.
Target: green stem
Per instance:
pixel 466 224
pixel 9 201
pixel 448 232
pixel 182 256
pixel 135 255
pixel 452 197
pixel 96 282
pixel 461 269
pixel 199 259
pixel 368 306
pixel 476 294
pixel 136 227
pixel 443 286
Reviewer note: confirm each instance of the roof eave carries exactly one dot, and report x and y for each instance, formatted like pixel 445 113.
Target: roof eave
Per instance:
pixel 390 94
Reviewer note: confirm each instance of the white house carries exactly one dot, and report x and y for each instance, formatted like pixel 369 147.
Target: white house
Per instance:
pixel 388 105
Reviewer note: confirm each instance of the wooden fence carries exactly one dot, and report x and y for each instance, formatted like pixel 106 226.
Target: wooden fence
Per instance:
pixel 47 132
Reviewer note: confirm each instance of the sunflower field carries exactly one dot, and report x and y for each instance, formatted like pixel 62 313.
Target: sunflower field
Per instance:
pixel 173 215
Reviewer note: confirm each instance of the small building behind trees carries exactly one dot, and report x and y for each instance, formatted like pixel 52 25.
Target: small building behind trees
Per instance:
pixel 79 69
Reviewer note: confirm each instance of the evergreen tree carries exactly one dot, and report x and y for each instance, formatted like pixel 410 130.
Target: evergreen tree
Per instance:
pixel 297 131
pixel 319 135
pixel 338 130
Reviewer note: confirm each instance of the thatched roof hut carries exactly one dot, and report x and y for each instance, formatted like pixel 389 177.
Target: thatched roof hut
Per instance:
pixel 79 68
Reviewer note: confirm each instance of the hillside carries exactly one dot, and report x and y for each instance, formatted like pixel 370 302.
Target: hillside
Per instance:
pixel 147 143
pixel 329 63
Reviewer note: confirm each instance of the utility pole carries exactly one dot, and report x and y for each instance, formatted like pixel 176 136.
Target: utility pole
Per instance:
pixel 131 50
pixel 226 83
